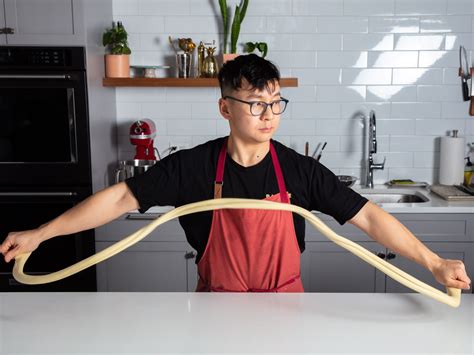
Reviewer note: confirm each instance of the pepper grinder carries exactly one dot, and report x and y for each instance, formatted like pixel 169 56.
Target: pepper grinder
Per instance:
pixel 200 62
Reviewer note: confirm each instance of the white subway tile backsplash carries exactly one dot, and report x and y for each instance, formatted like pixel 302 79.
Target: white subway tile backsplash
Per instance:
pixel 396 126
pixel 453 41
pixel 450 76
pixel 419 42
pixel 369 7
pixel 319 42
pixel 435 24
pixel 340 93
pixel 455 109
pixel 190 127
pixel 439 127
pixel 460 7
pixel 270 8
pixel 420 7
pixel 416 110
pixel 318 76
pixel 163 7
pixel 295 24
pixel 393 93
pixel 293 59
pixel 143 24
pixel 394 24
pixel 426 159
pixel 342 24
pixel 398 57
pixel 318 7
pixel 371 41
pixel 343 59
pixel 192 24
pixel 413 144
pixel 166 110
pixel 335 127
pixel 393 59
pixel 366 76
pixel 300 94
pixel 304 110
pixel 297 127
pixel 417 76
pixel 439 59
pixel 353 110
pixel 125 7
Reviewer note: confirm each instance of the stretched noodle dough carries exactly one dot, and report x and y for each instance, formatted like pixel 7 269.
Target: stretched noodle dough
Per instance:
pixel 451 298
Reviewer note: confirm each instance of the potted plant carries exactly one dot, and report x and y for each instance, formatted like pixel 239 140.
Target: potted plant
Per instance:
pixel 239 15
pixel 117 62
pixel 261 46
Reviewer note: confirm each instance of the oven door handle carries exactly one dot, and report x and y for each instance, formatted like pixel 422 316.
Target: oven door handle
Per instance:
pixel 64 77
pixel 46 194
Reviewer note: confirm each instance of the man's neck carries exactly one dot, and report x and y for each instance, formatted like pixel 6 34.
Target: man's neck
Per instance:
pixel 246 154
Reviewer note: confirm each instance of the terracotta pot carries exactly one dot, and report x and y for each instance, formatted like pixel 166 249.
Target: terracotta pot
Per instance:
pixel 229 56
pixel 117 65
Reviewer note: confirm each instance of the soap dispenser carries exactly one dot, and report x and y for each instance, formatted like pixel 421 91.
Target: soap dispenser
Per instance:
pixel 468 172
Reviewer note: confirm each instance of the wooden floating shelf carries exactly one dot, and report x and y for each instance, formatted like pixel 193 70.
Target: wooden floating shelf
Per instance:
pixel 179 82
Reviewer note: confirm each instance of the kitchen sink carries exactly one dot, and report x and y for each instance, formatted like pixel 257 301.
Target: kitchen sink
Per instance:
pixel 395 196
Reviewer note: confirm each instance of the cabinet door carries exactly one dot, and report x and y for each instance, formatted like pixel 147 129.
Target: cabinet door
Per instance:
pixel 3 38
pixel 146 266
pixel 45 22
pixel 326 267
pixel 457 251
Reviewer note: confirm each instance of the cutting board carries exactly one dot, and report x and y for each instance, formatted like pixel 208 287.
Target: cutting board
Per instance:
pixel 451 193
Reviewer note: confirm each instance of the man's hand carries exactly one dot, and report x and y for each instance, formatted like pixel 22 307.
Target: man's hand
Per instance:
pixel 17 243
pixel 451 273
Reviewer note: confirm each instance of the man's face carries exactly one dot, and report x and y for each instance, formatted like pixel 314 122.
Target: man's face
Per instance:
pixel 244 125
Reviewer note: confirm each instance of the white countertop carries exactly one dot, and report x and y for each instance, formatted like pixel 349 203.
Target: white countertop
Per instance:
pixel 435 204
pixel 135 323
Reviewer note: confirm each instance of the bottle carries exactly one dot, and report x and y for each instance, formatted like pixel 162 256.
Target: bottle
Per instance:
pixel 200 55
pixel 209 67
pixel 468 170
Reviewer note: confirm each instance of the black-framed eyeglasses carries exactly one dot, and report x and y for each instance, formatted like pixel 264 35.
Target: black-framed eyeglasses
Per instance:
pixel 258 108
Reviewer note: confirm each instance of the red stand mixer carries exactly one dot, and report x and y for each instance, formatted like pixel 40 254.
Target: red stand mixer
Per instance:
pixel 142 133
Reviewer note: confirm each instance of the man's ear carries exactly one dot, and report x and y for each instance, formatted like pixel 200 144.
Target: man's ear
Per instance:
pixel 224 108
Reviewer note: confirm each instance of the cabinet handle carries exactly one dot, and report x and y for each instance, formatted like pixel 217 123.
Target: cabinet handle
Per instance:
pixel 145 217
pixel 391 256
pixel 190 255
pixel 9 31
pixel 381 255
pixel 2 31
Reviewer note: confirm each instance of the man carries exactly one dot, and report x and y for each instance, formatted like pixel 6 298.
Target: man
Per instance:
pixel 244 250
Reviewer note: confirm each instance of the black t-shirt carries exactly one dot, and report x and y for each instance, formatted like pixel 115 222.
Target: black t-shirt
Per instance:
pixel 188 176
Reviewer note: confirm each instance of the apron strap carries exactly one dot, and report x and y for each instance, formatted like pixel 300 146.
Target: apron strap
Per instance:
pixel 220 173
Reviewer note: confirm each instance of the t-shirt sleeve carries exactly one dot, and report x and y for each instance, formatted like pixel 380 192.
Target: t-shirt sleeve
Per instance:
pixel 158 186
pixel 332 197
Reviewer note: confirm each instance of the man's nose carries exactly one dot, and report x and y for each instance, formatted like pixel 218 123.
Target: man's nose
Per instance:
pixel 267 115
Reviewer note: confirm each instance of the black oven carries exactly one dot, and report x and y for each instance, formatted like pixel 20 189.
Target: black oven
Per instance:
pixel 44 133
pixel 30 208
pixel 45 165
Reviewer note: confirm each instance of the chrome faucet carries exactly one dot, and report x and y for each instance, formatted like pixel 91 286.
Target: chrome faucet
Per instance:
pixel 372 149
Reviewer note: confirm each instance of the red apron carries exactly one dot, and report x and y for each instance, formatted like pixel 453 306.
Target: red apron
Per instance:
pixel 251 250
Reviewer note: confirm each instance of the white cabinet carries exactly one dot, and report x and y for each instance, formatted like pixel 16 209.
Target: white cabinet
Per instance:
pixel 162 262
pixel 41 22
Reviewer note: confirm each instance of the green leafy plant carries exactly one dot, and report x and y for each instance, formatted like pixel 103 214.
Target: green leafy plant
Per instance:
pixel 239 15
pixel 115 39
pixel 261 46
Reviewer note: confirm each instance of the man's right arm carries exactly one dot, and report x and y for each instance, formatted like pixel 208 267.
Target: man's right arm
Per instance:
pixel 98 209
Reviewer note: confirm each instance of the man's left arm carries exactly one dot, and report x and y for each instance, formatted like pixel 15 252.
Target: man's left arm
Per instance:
pixel 388 231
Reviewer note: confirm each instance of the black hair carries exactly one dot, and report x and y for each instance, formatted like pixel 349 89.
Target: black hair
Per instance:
pixel 260 73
